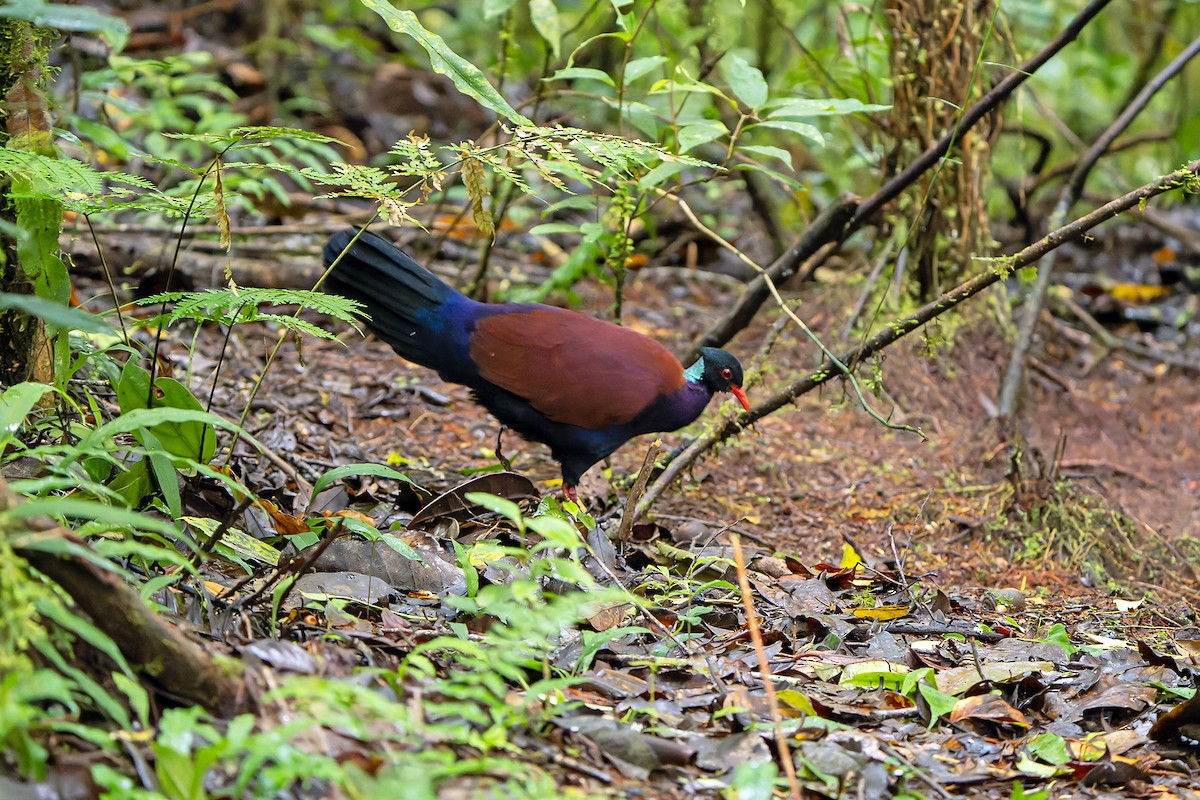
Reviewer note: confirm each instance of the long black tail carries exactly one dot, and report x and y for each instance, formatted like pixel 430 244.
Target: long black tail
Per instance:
pixel 405 303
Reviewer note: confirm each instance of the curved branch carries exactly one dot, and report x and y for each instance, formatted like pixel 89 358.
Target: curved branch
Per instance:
pixel 733 425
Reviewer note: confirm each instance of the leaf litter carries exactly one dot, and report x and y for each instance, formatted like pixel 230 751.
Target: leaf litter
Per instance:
pixel 887 683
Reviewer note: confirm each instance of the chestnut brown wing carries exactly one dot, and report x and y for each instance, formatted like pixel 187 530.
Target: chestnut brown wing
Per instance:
pixel 574 368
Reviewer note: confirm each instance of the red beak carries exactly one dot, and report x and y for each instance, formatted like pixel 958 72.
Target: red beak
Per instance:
pixel 741 396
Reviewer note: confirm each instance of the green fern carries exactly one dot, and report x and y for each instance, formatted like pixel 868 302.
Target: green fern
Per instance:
pixel 231 306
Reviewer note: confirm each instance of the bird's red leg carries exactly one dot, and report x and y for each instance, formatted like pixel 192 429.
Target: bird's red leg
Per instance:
pixel 569 491
pixel 504 462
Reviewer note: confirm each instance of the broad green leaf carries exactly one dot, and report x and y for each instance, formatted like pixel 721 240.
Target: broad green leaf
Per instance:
pixel 809 132
pixel 915 678
pixel 347 470
pixel 754 780
pixel 625 18
pixel 874 672
pixel 355 525
pixel 89 510
pixel 644 118
pixel 786 180
pixel 131 421
pixel 498 505
pixel 15 404
pixel 57 315
pixel 641 66
pixel 555 530
pixel 234 541
pixel 70 18
pixel 544 17
pixel 164 472
pixel 797 700
pixel 567 569
pixel 581 73
pixel 553 227
pixel 768 151
pixel 745 79
pixel 444 61
pixel 824 107
pixel 1028 766
pixel 940 703
pixel 660 174
pixel 402 547
pixel 133 484
pixel 194 440
pixel 700 132
pixel 1051 748
pixel 667 85
pixel 1057 634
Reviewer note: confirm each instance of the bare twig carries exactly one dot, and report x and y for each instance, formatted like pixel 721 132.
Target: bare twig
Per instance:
pixel 764 666
pixel 769 285
pixel 639 486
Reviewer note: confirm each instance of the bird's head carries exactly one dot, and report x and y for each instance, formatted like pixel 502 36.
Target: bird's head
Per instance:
pixel 719 371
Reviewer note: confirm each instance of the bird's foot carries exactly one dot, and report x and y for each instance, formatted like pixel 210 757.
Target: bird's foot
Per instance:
pixel 569 491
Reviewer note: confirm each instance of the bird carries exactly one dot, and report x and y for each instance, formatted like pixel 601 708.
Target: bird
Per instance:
pixel 581 385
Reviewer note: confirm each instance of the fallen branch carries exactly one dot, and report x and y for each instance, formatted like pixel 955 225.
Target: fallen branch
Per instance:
pixel 900 328
pixel 183 669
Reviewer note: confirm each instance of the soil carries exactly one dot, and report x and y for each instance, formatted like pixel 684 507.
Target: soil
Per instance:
pixel 813 478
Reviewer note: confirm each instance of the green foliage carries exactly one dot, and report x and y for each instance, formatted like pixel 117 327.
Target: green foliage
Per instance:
pixel 923 682
pixel 466 76
pixel 130 108
pixel 238 305
pixel 36 627
pixel 1050 748
pixel 753 780
pixel 196 758
pixel 665 100
pixel 68 18
pixel 1020 793
pixel 1057 634
pixel 24 717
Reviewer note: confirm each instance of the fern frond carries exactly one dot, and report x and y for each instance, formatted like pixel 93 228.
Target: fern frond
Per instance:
pixel 229 306
pixel 272 132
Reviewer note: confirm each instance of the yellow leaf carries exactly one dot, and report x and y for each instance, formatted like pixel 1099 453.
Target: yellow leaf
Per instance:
pixel 1137 293
pixel 882 613
pixel 797 700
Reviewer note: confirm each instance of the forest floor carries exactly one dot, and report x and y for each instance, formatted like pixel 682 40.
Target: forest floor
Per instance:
pixel 1053 609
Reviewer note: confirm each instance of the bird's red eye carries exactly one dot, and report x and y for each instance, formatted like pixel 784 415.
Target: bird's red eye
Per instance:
pixel 727 374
